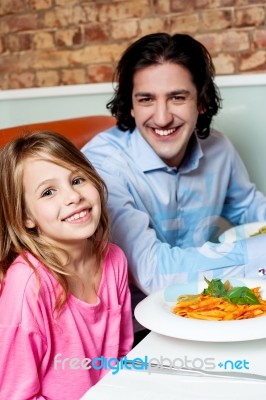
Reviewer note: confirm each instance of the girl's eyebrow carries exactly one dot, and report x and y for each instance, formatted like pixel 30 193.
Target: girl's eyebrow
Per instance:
pixel 53 180
pixel 75 171
pixel 44 183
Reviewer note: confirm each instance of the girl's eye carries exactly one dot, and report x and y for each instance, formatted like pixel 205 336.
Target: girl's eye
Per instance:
pixel 78 181
pixel 47 193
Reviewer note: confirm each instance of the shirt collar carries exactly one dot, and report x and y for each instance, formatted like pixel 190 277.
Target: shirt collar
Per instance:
pixel 193 155
pixel 148 160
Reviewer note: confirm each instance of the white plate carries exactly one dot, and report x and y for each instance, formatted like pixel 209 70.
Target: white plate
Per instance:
pixel 240 232
pixel 154 313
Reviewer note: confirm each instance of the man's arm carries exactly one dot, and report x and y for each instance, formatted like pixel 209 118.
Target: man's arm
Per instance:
pixel 244 203
pixel 154 264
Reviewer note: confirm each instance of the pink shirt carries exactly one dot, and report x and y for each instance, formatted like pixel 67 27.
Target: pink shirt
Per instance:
pixel 41 358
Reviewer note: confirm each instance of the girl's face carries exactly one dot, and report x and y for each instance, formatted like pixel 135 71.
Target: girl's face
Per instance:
pixel 61 203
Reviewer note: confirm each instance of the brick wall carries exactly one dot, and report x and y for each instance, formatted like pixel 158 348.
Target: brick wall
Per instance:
pixel 66 42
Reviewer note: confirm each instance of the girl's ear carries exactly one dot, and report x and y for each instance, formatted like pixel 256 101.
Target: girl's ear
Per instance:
pixel 29 223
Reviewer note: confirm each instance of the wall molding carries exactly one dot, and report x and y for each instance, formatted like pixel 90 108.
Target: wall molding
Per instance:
pixel 57 91
pixel 107 88
pixel 241 80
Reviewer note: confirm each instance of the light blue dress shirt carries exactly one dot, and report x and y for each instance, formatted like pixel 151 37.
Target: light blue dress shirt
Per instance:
pixel 163 218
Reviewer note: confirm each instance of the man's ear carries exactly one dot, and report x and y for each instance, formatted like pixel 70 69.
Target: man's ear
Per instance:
pixel 202 110
pixel 132 113
pixel 29 223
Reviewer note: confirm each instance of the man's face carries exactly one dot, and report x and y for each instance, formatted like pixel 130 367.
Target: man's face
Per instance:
pixel 165 109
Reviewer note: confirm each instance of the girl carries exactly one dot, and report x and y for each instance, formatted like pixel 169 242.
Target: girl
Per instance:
pixel 64 297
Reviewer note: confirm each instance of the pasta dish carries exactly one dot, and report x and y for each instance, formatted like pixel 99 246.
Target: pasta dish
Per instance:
pixel 220 301
pixel 261 231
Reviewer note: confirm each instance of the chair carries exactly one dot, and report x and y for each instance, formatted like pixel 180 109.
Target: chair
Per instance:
pixel 79 130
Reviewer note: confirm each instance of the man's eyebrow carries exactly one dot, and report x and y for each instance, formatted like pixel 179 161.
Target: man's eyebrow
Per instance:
pixel 143 94
pixel 172 93
pixel 178 92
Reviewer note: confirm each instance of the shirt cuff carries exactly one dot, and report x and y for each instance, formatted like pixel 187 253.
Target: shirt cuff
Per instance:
pixel 255 266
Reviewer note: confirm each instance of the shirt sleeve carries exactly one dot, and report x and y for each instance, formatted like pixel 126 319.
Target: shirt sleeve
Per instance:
pixel 154 264
pixel 22 343
pixel 244 202
pixel 20 355
pixel 124 298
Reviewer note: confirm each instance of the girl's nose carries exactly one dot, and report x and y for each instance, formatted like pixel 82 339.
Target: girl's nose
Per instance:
pixel 72 196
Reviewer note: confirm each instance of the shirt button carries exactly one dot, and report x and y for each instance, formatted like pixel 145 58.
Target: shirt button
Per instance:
pixel 262 271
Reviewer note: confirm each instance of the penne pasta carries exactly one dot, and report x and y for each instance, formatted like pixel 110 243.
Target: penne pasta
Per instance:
pixel 261 231
pixel 206 307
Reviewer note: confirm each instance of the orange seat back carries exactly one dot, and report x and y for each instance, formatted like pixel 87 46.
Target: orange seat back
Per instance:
pixel 79 130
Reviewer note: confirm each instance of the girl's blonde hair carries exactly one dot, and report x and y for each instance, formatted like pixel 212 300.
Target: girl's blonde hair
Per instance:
pixel 15 238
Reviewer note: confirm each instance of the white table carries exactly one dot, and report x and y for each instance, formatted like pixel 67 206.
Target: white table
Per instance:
pixel 132 385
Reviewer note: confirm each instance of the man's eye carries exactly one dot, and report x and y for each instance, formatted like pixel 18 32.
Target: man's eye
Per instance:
pixel 78 181
pixel 145 100
pixel 179 98
pixel 47 193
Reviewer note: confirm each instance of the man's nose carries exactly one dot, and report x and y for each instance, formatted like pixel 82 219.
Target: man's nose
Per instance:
pixel 162 114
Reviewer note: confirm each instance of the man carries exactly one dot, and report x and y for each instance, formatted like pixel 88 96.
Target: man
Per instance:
pixel 170 177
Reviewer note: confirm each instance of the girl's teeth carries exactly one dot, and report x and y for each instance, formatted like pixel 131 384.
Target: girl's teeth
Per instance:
pixel 164 132
pixel 77 216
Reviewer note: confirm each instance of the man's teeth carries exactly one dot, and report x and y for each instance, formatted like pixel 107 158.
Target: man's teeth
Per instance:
pixel 77 216
pixel 164 132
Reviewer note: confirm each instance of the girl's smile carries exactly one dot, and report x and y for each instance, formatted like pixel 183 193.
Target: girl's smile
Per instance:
pixel 79 216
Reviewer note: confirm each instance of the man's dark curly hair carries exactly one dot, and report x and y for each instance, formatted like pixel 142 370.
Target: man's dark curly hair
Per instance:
pixel 158 48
